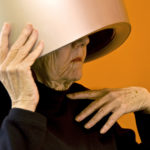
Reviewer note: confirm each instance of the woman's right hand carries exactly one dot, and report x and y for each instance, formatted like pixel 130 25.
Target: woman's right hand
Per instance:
pixel 15 66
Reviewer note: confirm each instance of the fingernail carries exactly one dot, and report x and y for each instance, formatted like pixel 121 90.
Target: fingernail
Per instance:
pixel 78 119
pixel 36 31
pixel 6 25
pixel 70 95
pixel 102 131
pixel 29 26
pixel 87 126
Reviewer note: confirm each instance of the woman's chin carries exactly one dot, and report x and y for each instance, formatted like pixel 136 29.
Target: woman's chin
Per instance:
pixel 77 78
pixel 74 76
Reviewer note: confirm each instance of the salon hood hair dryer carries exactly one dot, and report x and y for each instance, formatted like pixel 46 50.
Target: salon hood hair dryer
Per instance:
pixel 61 22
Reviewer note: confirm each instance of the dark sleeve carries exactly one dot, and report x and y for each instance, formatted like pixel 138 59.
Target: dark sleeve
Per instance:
pixel 22 130
pixel 125 138
pixel 25 130
pixel 143 125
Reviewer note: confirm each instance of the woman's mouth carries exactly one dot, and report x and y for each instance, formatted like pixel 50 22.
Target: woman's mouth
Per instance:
pixel 77 59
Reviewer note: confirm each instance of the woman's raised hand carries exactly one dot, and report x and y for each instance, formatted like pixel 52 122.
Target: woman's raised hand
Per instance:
pixel 15 66
pixel 119 101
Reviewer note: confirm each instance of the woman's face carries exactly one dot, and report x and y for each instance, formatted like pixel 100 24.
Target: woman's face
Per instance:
pixel 70 59
pixel 65 63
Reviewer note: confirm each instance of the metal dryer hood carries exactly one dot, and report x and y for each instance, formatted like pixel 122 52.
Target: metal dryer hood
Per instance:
pixel 61 22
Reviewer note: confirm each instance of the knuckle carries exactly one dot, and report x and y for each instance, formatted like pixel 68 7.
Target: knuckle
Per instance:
pixel 26 32
pixel 111 94
pixel 20 68
pixel 93 106
pixel 109 123
pixel 143 90
pixel 90 93
pixel 74 94
pixel 22 51
pixel 94 119
pixel 13 51
pixel 118 100
pixel 123 107
pixel 2 68
pixel 35 32
pixel 112 119
pixel 101 111
pixel 5 33
pixel 10 69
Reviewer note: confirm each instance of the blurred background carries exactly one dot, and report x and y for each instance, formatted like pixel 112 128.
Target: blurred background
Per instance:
pixel 129 65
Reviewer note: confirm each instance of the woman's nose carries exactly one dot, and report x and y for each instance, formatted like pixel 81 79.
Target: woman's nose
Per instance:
pixel 81 42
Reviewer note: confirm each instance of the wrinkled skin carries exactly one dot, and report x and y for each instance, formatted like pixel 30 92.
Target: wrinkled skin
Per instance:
pixel 15 63
pixel 16 76
pixel 56 69
pixel 119 101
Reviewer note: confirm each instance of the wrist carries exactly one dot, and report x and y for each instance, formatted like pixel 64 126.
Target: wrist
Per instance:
pixel 26 106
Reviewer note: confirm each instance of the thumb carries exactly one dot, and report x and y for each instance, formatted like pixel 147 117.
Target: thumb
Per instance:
pixel 89 94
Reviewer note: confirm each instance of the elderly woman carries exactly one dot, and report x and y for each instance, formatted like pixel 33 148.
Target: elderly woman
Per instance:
pixel 52 112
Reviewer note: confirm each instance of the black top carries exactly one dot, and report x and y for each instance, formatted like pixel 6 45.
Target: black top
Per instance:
pixel 53 125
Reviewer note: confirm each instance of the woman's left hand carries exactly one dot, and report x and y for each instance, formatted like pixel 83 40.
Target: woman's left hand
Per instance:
pixel 119 101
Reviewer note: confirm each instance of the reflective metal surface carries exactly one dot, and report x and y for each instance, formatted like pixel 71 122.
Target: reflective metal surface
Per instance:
pixel 61 22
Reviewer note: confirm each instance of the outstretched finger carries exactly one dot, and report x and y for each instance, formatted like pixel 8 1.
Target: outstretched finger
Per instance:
pixel 89 94
pixel 4 41
pixel 103 111
pixel 24 51
pixel 30 59
pixel 23 37
pixel 92 108
pixel 18 44
pixel 111 121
